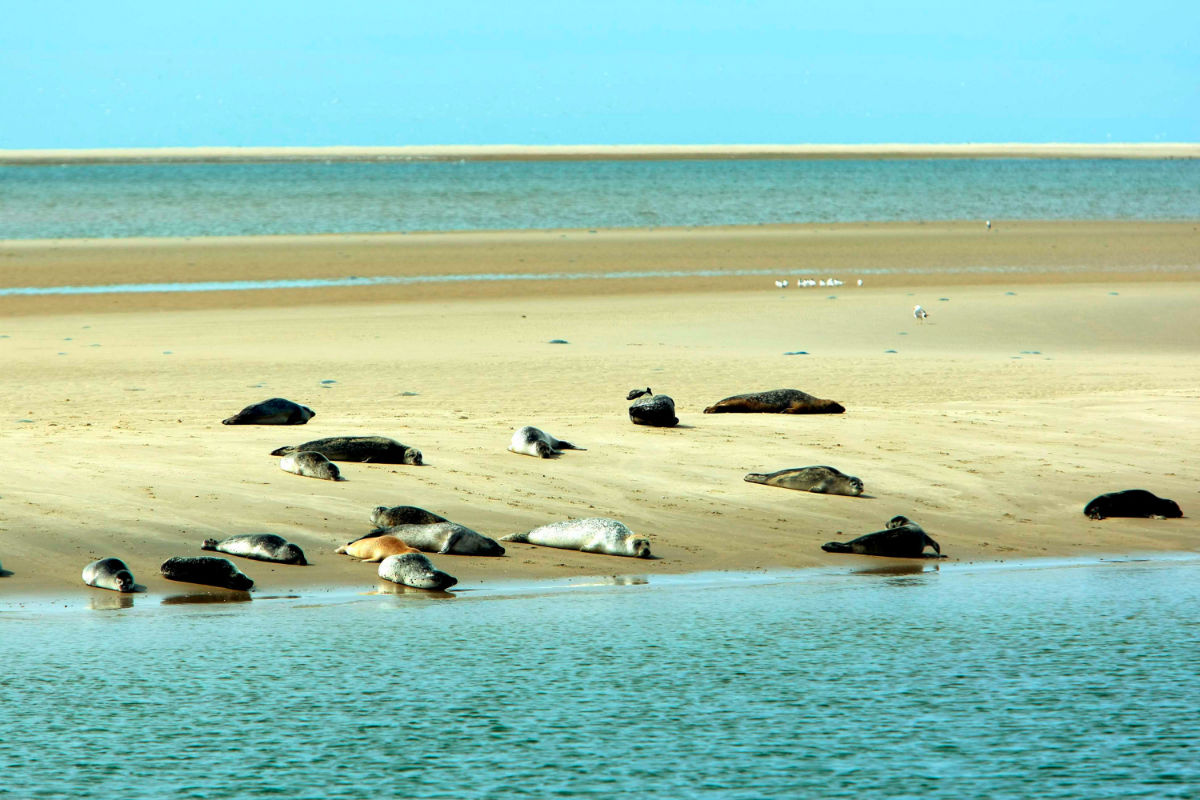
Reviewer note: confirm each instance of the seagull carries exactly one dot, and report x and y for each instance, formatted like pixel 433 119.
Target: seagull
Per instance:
pixel 989 224
pixel 781 284
pixel 860 281
pixel 920 314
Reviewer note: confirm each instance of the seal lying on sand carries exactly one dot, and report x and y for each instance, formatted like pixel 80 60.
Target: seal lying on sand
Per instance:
pixel 310 464
pixel 375 449
pixel 531 441
pixel 776 401
pixel 821 480
pixel 259 546
pixel 902 539
pixel 385 516
pixel 109 573
pixel 1132 503
pixel 376 548
pixel 657 410
pixel 414 569
pixel 442 537
pixel 593 535
pixel 276 411
pixel 207 570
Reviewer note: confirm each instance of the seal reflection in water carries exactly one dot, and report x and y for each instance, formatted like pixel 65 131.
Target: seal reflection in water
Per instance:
pixel 276 411
pixel 207 570
pixel 821 480
pixel 1132 503
pixel 109 573
pixel 903 538
pixel 594 535
pixel 374 449
pixel 415 570
pixel 531 441
pixel 775 401
pixel 259 546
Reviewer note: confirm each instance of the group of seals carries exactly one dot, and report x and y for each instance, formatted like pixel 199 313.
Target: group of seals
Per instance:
pixel 902 538
pixel 593 535
pixel 531 441
pixel 441 537
pixel 821 480
pixel 276 411
pixel 1132 503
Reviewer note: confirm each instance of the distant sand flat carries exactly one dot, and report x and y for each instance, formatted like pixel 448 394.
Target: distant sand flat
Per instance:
pixel 601 152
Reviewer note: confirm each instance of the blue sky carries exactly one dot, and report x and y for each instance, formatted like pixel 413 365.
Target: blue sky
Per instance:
pixel 148 74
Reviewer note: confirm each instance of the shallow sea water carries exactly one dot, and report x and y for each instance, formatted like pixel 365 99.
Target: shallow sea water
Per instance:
pixel 1054 682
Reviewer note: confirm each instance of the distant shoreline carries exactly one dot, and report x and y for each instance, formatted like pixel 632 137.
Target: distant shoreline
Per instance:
pixel 1171 150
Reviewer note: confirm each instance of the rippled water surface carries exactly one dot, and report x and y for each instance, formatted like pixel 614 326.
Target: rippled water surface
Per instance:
pixel 1062 682
pixel 302 198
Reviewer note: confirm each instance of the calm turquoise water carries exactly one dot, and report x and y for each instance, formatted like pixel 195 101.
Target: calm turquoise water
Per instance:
pixel 1065 682
pixel 233 199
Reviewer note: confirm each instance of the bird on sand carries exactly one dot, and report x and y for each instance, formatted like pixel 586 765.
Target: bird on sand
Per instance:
pixel 920 314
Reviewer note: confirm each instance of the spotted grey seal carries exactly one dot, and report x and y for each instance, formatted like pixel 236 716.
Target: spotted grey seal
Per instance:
pixel 1132 503
pixel 276 411
pixel 376 548
pixel 310 464
pixel 109 573
pixel 902 538
pixel 593 535
pixel 657 410
pixel 443 537
pixel 375 449
pixel 208 570
pixel 775 401
pixel 821 480
pixel 385 516
pixel 531 441
pixel 415 570
pixel 259 546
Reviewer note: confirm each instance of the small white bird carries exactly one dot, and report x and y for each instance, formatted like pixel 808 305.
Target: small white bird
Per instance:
pixel 920 314
pixel 989 224
pixel 860 281
pixel 781 284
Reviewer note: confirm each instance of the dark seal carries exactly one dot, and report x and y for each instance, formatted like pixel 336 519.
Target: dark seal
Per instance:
pixel 634 394
pixel 207 570
pixel 1132 503
pixel 375 449
pixel 776 401
pixel 276 411
pixel 385 516
pixel 902 539
pixel 657 410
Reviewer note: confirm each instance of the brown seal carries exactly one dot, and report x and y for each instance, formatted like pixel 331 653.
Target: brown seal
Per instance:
pixel 775 401
pixel 376 548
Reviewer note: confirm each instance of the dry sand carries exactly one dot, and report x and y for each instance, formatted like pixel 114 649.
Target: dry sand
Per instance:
pixel 1024 395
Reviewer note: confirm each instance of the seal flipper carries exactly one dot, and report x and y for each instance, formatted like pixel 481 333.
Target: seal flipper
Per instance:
pixel 283 451
pixel 836 547
pixel 756 477
pixel 516 537
pixel 561 445
pixel 929 542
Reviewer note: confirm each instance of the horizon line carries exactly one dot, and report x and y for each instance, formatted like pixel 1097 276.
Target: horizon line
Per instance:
pixel 597 152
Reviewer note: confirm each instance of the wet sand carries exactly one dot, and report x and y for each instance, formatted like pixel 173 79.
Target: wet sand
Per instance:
pixel 1025 394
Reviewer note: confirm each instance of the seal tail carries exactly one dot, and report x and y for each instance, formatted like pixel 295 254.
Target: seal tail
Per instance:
pixel 836 547
pixel 929 542
pixel 283 451
pixel 756 477
pixel 516 537
pixel 209 544
pixel 561 445
pixel 342 550
pixel 230 421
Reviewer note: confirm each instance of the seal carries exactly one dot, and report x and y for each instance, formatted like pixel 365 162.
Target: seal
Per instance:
pixel 446 538
pixel 259 546
pixel 375 449
pixel 634 394
pixel 310 464
pixel 384 516
pixel 276 411
pixel 593 535
pixel 821 480
pixel 902 538
pixel 1132 503
pixel 775 401
pixel 207 570
pixel 415 570
pixel 657 410
pixel 531 441
pixel 376 548
pixel 109 573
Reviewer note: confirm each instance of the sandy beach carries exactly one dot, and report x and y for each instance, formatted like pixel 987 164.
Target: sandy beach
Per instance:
pixel 1060 360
